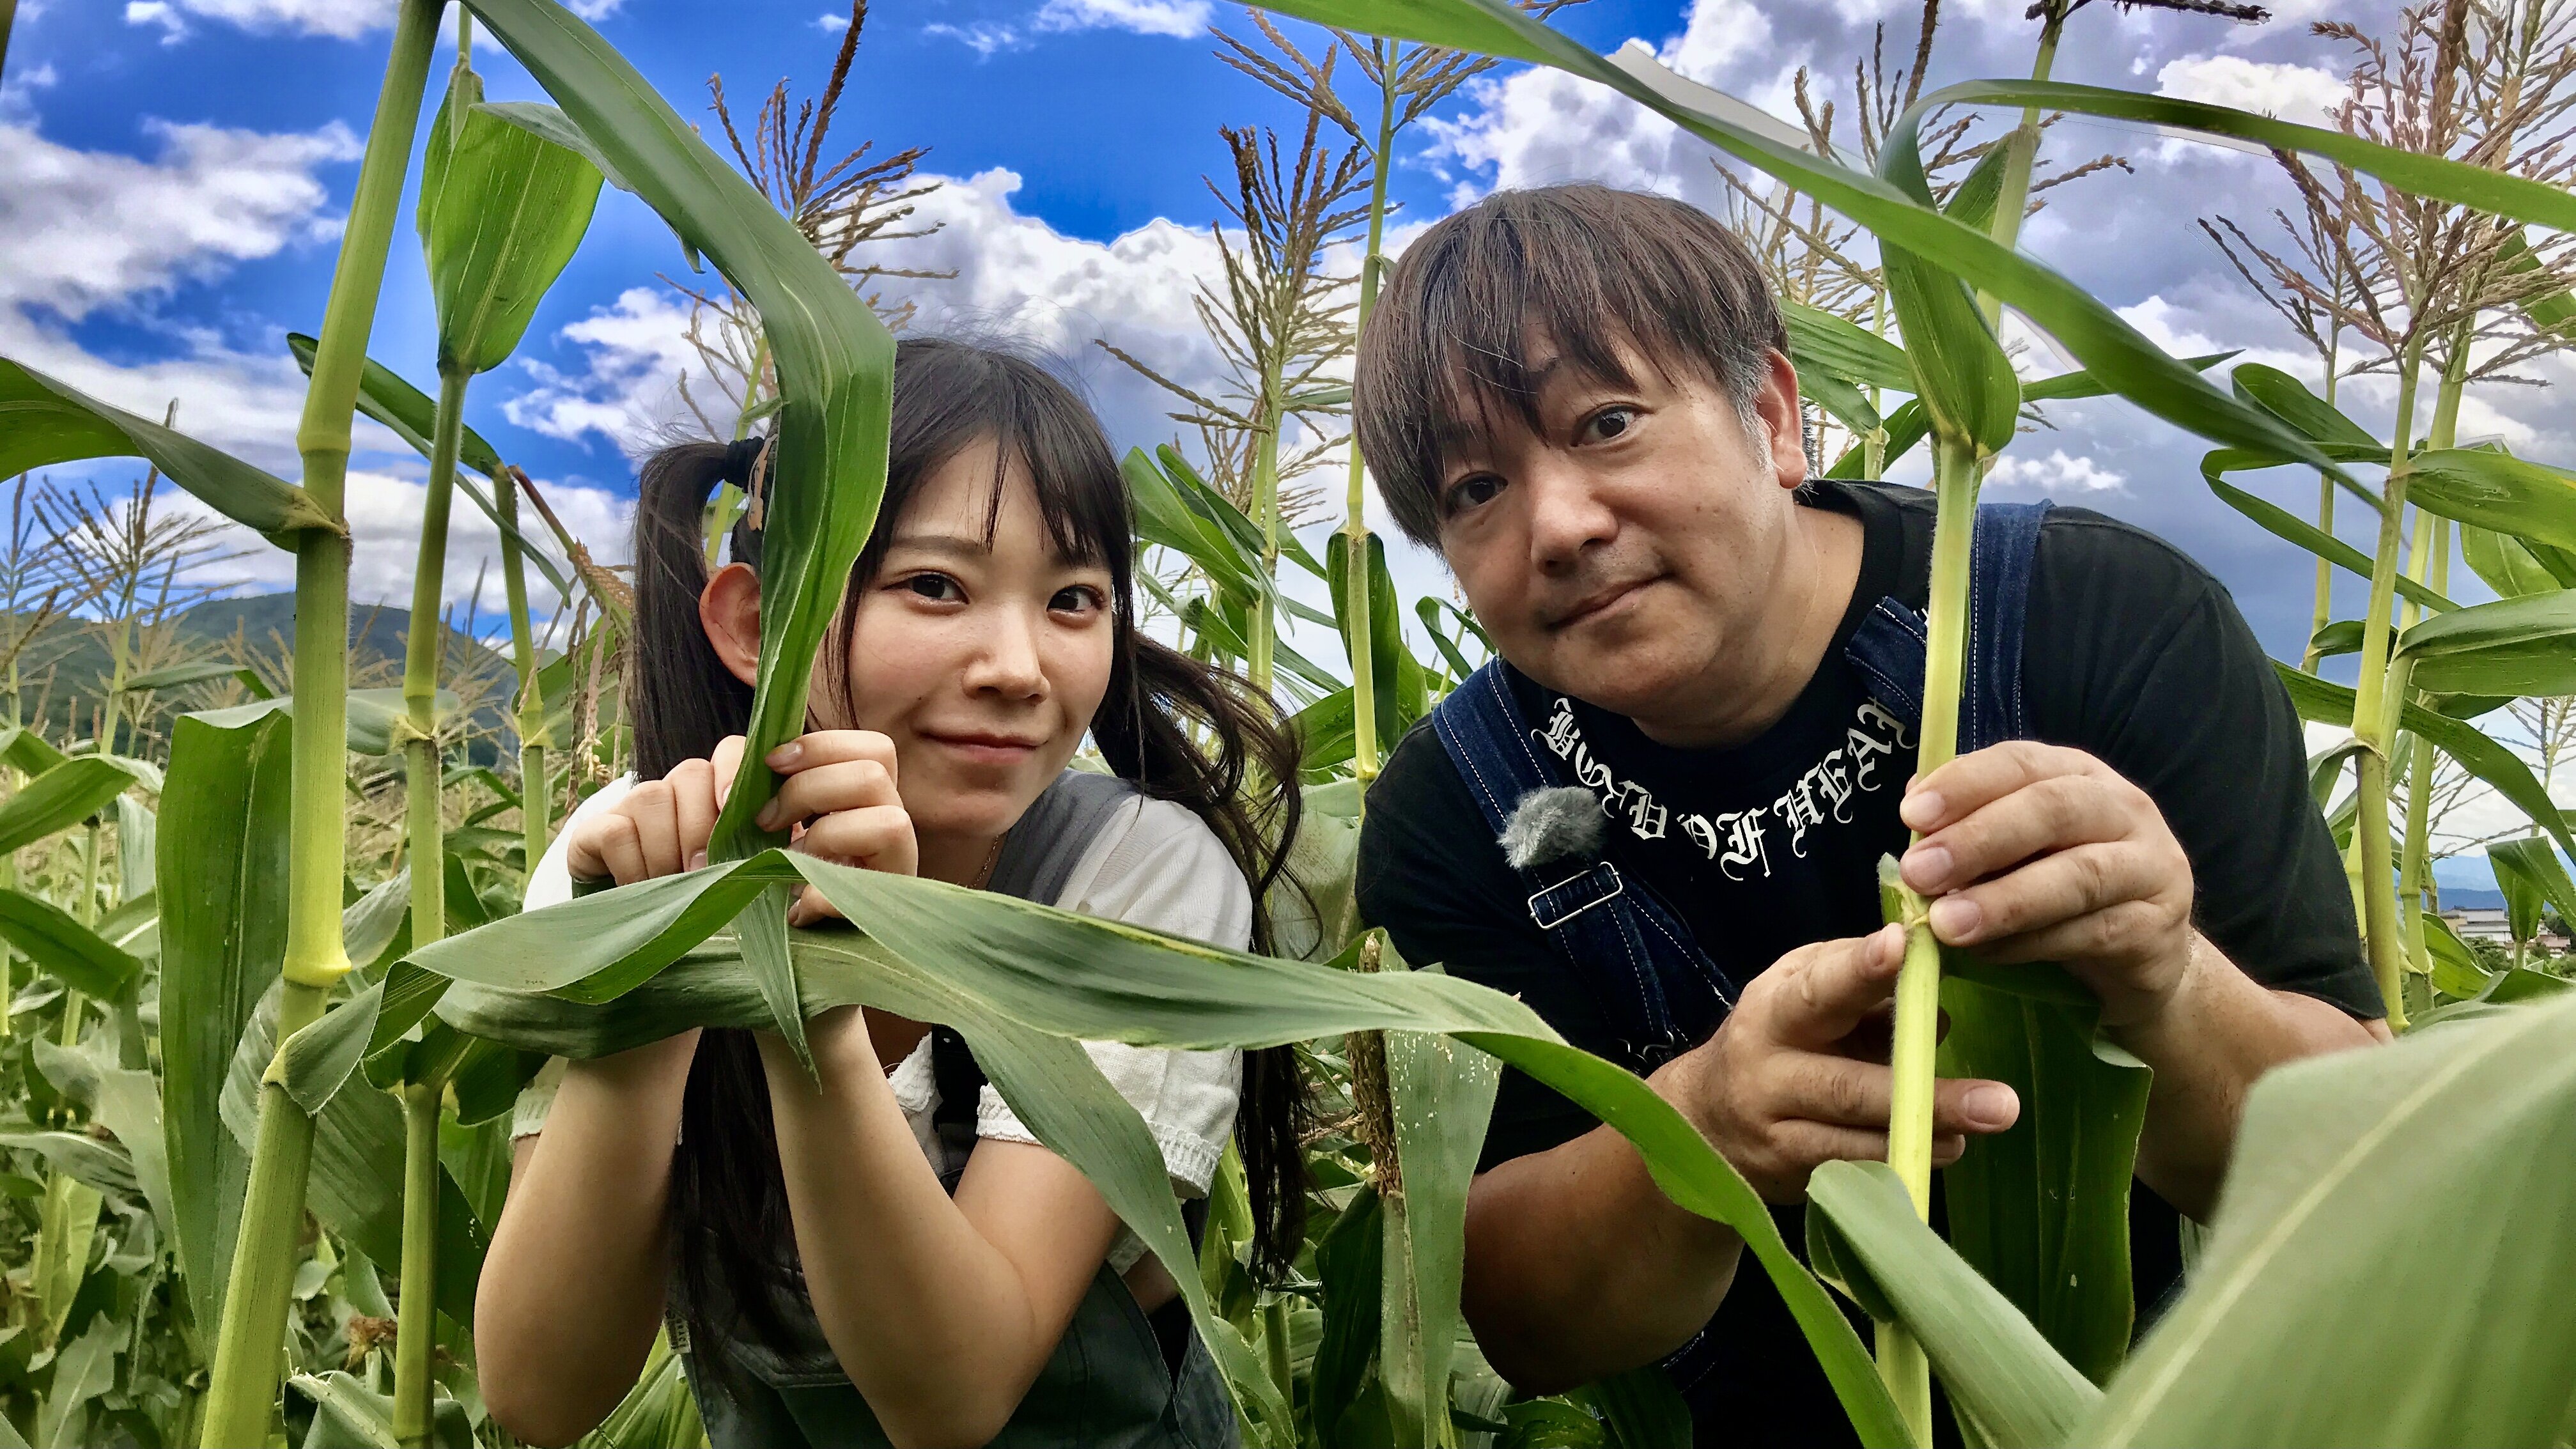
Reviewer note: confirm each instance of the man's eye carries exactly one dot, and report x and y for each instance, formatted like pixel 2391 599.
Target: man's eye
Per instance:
pixel 1473 491
pixel 1609 423
pixel 934 586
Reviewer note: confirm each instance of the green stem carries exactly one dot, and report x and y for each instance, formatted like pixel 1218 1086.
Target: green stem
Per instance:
pixel 2430 564
pixel 1265 511
pixel 1356 600
pixel 1917 1031
pixel 2021 150
pixel 426 847
pixel 1873 449
pixel 534 799
pixel 242 1396
pixel 2382 930
pixel 2323 612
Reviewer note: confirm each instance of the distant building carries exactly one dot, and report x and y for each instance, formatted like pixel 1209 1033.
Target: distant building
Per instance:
pixel 2489 923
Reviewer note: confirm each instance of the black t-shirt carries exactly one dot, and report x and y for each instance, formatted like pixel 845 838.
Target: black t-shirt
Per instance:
pixel 2131 652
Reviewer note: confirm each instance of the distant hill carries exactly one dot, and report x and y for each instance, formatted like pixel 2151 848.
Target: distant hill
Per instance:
pixel 63 673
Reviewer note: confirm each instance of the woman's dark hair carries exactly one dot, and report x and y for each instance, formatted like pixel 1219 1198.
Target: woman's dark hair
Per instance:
pixel 728 1201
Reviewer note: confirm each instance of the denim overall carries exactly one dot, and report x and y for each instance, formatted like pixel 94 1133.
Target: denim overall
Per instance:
pixel 1662 992
pixel 1109 1382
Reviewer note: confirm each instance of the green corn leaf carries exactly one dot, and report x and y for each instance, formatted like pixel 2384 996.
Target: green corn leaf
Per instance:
pixel 372 715
pixel 2524 646
pixel 2287 398
pixel 2344 1206
pixel 2080 383
pixel 632 965
pixel 1401 693
pixel 1219 509
pixel 25 750
pixel 501 212
pixel 2528 868
pixel 410 414
pixel 2513 567
pixel 60 798
pixel 1349 1261
pixel 1963 379
pixel 85 1369
pixel 2001 1373
pixel 103 1166
pixel 2097 336
pixel 349 1415
pixel 1845 403
pixel 2456 969
pixel 1443 1094
pixel 198 671
pixel 1639 1409
pixel 2342 636
pixel 222 869
pixel 2496 491
pixel 50 422
pixel 835 365
pixel 2435 177
pixel 1163 517
pixel 129 1105
pixel 65 949
pixel 2330 703
pixel 1844 348
pixel 2042 1210
pixel 2283 524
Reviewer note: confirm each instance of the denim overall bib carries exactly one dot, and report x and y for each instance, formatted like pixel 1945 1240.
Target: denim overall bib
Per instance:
pixel 1661 991
pixel 1108 1383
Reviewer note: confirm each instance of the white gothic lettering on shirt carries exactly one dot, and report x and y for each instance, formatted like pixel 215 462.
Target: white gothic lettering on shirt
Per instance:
pixel 1739 841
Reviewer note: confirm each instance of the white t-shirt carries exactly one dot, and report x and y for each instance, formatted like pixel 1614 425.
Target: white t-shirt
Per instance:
pixel 1156 864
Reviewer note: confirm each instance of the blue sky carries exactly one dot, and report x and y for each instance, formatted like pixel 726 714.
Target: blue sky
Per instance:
pixel 172 173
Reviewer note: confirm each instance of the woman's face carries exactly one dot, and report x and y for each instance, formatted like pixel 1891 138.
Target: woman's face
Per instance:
pixel 983 661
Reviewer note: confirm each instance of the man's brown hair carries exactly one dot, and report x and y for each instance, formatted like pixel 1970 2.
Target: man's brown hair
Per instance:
pixel 1580 269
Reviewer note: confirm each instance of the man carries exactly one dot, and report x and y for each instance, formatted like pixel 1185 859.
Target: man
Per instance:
pixel 1581 397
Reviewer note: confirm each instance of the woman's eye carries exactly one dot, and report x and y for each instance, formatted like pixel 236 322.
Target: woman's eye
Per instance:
pixel 1609 423
pixel 934 586
pixel 1079 599
pixel 1472 491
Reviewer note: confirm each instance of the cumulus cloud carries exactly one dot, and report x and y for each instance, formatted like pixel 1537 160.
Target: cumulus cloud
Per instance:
pixel 983 37
pixel 1016 277
pixel 1539 126
pixel 1179 18
pixel 2056 473
pixel 2291 92
pixel 341 19
pixel 84 229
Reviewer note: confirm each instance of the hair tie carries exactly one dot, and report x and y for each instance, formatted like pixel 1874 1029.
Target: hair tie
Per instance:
pixel 741 456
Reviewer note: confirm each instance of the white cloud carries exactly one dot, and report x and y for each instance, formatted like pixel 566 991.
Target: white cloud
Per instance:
pixel 17 92
pixel 636 350
pixel 2291 92
pixel 1541 126
pixel 832 23
pixel 983 37
pixel 2056 473
pixel 1178 18
pixel 85 229
pixel 342 19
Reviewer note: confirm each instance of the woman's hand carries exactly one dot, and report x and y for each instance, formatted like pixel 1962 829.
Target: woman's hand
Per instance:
pixel 840 804
pixel 661 827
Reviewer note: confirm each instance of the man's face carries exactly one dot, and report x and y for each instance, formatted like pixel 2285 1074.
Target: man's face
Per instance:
pixel 1627 548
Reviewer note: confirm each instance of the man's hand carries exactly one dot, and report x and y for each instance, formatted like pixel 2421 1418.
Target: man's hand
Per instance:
pixel 1798 1074
pixel 2034 852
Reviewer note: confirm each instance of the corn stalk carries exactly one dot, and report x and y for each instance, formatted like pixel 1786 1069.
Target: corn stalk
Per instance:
pixel 244 1383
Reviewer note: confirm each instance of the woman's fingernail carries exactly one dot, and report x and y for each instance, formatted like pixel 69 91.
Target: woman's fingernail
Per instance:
pixel 1921 809
pixel 1991 1105
pixel 767 819
pixel 1927 867
pixel 698 860
pixel 1955 919
pixel 786 755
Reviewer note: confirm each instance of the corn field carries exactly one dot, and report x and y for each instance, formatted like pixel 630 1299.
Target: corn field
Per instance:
pixel 272 997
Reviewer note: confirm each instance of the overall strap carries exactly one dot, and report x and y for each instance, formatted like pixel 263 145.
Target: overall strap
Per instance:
pixel 1663 993
pixel 1890 645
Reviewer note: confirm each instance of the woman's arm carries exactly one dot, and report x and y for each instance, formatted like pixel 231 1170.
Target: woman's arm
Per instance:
pixel 942 1311
pixel 572 1286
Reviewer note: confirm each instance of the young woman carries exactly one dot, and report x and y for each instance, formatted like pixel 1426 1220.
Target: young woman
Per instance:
pixel 889 1257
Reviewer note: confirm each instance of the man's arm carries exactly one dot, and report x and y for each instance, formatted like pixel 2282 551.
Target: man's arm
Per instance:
pixel 1578 1265
pixel 2047 854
